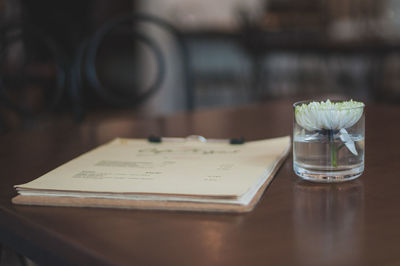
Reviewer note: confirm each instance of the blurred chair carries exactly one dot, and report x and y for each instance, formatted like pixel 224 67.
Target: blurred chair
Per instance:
pixel 32 75
pixel 112 66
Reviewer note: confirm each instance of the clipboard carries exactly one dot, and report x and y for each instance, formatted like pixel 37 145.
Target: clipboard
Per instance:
pixel 169 201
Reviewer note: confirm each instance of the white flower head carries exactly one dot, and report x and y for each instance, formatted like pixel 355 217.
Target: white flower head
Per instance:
pixel 328 115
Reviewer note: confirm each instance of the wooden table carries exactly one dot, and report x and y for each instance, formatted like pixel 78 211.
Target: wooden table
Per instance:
pixel 295 223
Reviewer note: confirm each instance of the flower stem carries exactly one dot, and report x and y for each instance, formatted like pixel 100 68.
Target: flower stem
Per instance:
pixel 332 148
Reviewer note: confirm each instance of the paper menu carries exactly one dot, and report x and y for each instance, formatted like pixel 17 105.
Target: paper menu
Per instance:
pixel 181 171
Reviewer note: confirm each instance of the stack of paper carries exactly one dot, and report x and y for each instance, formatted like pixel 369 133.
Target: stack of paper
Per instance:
pixel 182 175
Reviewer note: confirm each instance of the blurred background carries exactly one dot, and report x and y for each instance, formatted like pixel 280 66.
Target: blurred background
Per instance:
pixel 157 57
pixel 87 59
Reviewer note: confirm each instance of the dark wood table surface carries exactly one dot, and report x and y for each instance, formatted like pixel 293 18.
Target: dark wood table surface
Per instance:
pixel 295 222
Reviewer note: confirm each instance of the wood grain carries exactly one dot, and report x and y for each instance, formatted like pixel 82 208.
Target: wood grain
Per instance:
pixel 295 222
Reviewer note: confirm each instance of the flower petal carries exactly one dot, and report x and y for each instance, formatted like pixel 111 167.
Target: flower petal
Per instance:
pixel 328 115
pixel 346 138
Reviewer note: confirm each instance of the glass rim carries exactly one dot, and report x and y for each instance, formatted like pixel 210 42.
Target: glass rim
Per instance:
pixel 299 103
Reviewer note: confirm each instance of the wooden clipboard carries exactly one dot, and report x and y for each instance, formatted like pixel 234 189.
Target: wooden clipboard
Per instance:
pixel 169 205
pixel 144 204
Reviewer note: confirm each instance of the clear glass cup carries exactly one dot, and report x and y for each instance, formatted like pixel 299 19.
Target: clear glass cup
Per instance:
pixel 328 143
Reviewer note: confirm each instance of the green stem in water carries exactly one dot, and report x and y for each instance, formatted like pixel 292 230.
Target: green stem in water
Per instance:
pixel 332 148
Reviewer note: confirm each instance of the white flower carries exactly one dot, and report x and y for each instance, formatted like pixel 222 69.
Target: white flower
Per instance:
pixel 328 115
pixel 331 116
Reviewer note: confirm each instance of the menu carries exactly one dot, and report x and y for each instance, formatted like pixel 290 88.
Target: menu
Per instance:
pixel 136 173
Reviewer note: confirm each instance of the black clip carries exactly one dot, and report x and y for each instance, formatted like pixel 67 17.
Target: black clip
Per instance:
pixel 154 139
pixel 237 141
pixel 234 141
